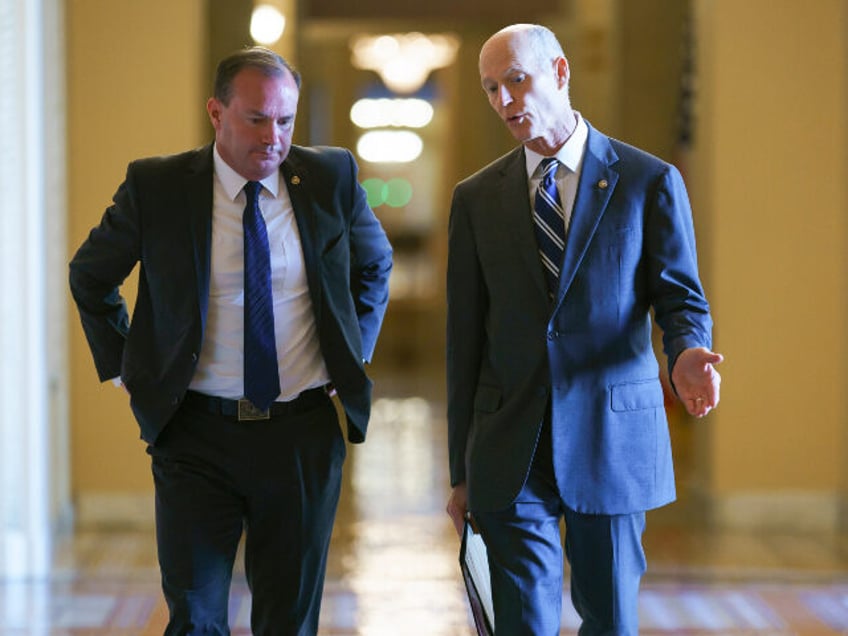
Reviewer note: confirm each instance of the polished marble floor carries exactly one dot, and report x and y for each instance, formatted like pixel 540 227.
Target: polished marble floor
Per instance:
pixel 393 563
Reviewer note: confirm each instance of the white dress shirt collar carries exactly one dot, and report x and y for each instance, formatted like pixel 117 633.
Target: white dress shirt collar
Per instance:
pixel 233 182
pixel 571 153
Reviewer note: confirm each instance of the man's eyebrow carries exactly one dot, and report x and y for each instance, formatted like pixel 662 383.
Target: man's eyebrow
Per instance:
pixel 511 70
pixel 506 73
pixel 264 115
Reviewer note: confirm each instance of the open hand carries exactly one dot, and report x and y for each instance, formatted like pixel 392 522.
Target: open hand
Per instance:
pixel 696 381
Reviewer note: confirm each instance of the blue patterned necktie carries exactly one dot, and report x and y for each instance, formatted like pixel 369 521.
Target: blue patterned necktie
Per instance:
pixel 261 372
pixel 549 221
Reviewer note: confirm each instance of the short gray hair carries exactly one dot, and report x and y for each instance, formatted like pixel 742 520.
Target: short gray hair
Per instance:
pixel 543 43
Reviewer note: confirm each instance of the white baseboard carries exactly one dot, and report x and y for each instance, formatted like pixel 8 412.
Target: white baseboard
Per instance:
pixel 126 510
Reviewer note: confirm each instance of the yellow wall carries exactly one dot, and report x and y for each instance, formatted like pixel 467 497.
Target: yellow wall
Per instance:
pixel 770 194
pixel 136 87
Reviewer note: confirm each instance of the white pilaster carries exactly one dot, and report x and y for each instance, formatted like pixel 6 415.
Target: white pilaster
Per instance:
pixel 33 468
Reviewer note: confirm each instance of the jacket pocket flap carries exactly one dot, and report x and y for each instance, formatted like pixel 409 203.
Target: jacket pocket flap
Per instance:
pixel 635 396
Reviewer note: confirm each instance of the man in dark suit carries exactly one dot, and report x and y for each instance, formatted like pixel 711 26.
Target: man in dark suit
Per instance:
pixel 555 407
pixel 256 302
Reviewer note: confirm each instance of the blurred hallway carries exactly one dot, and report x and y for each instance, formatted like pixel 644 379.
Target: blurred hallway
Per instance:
pixel 770 199
pixel 393 562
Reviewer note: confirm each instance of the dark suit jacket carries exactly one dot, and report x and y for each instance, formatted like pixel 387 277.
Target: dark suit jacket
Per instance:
pixel 161 218
pixel 630 247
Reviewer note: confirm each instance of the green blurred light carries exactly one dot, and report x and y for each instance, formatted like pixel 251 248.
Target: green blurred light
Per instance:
pixel 397 192
pixel 375 189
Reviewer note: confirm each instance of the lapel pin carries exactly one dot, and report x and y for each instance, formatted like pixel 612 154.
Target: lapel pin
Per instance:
pixel 602 184
pixel 295 180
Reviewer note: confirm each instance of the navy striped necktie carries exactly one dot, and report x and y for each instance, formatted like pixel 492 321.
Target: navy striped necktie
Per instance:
pixel 261 370
pixel 549 221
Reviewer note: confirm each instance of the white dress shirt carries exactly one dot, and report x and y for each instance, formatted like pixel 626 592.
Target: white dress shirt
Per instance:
pixel 220 367
pixel 570 157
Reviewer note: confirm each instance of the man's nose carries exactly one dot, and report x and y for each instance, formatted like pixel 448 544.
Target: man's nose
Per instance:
pixel 269 133
pixel 504 96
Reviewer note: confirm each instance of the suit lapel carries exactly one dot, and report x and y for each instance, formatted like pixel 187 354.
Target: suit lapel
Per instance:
pixel 594 190
pixel 299 182
pixel 513 197
pixel 198 189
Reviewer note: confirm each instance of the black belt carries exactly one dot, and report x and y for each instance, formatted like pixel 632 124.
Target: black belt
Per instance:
pixel 244 410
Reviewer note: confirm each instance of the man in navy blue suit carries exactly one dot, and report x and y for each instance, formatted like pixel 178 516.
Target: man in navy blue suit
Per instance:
pixel 225 464
pixel 555 407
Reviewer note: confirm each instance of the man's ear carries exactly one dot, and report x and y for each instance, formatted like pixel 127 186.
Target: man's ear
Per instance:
pixel 562 71
pixel 213 108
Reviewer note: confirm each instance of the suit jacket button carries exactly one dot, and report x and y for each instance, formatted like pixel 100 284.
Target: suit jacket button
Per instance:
pixel 194 357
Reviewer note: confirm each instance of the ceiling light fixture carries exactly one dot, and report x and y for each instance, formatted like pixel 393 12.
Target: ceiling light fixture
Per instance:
pixel 267 24
pixel 404 60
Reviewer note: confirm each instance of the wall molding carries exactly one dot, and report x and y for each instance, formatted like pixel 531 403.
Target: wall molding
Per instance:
pixel 787 511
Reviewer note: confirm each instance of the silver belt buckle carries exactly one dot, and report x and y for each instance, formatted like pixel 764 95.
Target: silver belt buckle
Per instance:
pixel 248 412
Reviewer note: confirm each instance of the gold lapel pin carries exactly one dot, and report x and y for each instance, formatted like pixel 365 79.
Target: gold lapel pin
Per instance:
pixel 295 180
pixel 602 184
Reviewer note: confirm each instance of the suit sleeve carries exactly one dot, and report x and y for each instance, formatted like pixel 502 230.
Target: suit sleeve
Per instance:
pixel 371 264
pixel 97 270
pixel 680 305
pixel 465 333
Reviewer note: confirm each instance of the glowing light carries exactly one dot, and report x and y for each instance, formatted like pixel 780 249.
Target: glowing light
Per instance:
pixel 374 191
pixel 395 193
pixel 267 24
pixel 398 192
pixel 404 60
pixel 389 146
pixel 379 113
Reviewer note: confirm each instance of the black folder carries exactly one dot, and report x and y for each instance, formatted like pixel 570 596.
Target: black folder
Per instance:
pixel 474 562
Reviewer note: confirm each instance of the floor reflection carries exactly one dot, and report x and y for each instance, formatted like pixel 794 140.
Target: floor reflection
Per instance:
pixel 396 550
pixel 393 567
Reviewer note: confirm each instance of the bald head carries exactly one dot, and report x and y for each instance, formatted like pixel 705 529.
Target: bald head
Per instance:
pixel 525 76
pixel 537 43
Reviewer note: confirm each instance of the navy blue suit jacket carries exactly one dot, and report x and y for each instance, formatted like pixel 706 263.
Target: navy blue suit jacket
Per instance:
pixel 630 248
pixel 161 219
